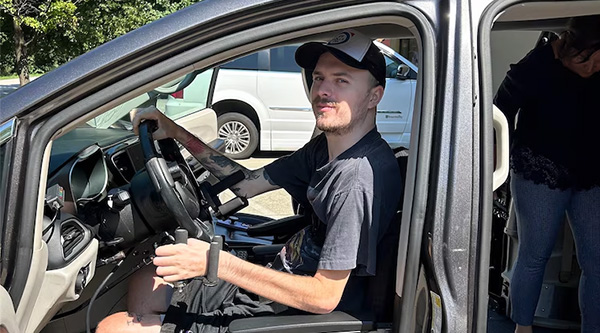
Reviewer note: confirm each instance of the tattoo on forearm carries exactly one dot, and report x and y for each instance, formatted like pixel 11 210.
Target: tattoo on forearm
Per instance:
pixel 222 161
pixel 266 176
pixel 194 145
pixel 211 166
pixel 251 175
pixel 236 191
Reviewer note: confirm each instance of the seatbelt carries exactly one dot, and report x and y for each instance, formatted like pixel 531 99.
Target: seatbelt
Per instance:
pixel 566 264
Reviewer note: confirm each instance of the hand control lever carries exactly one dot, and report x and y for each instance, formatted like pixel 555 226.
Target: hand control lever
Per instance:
pixel 181 237
pixel 213 261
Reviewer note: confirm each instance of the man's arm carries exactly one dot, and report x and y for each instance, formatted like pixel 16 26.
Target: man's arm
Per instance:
pixel 320 293
pixel 255 181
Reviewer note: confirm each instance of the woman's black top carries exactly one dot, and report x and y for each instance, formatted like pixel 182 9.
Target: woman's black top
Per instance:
pixel 557 138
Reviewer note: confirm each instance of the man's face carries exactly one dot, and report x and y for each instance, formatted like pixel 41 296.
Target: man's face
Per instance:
pixel 342 95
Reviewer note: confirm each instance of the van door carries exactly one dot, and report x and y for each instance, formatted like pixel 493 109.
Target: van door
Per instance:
pixel 281 90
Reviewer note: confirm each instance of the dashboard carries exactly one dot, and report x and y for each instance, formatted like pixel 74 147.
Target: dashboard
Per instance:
pixel 89 194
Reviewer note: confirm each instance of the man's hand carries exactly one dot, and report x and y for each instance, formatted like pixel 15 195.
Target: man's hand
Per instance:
pixel 180 261
pixel 167 128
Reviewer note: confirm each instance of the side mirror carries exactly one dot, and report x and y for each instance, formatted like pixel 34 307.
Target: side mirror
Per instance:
pixel 403 72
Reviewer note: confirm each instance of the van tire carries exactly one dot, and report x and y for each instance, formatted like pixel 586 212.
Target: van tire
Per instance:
pixel 240 135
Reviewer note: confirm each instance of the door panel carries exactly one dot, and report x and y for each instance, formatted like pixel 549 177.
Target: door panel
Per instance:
pixel 8 319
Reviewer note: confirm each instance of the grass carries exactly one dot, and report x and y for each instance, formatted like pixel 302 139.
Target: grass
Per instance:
pixel 8 77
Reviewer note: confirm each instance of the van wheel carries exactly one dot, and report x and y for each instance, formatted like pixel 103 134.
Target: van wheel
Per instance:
pixel 239 133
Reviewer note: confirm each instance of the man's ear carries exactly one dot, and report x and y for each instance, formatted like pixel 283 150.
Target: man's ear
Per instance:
pixel 375 96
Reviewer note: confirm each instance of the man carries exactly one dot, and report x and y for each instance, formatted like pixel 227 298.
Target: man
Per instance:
pixel 349 177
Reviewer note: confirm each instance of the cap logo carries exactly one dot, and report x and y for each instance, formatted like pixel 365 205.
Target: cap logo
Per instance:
pixel 341 38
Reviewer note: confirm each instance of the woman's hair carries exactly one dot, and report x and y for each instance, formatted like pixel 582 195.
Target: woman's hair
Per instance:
pixel 582 34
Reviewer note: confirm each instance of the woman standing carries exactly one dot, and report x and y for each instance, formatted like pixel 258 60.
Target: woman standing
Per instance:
pixel 555 164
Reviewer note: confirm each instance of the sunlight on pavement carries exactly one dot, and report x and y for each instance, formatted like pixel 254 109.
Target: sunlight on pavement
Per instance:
pixel 275 204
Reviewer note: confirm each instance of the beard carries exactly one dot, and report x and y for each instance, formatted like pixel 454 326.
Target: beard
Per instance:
pixel 334 123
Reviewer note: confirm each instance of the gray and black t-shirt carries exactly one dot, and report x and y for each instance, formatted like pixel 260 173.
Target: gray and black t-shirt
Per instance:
pixel 354 199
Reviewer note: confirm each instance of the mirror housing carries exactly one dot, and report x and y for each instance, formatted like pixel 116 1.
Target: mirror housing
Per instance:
pixel 403 72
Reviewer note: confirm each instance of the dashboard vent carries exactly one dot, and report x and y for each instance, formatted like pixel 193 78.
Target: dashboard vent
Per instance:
pixel 71 235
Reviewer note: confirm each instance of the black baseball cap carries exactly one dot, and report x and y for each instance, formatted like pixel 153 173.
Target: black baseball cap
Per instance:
pixel 350 47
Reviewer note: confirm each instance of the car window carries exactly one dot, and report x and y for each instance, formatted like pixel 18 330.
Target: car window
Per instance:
pixel 165 98
pixel 191 99
pixel 282 59
pixel 247 62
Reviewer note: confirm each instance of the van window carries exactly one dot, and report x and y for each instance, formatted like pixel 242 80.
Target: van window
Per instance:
pixel 282 59
pixel 247 62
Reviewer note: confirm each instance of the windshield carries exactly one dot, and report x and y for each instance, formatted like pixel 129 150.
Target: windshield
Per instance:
pixel 163 98
pixel 183 100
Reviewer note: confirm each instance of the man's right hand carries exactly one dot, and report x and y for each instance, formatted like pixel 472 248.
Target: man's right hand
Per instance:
pixel 167 128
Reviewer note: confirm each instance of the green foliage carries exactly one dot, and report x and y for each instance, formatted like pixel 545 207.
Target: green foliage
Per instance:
pixel 60 30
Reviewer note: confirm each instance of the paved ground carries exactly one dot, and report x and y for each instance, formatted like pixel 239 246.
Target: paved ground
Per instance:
pixel 8 86
pixel 275 204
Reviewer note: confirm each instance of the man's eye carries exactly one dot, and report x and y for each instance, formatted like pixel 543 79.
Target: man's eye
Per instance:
pixel 318 78
pixel 342 81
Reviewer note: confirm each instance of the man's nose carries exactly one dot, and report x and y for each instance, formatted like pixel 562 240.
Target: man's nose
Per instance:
pixel 324 88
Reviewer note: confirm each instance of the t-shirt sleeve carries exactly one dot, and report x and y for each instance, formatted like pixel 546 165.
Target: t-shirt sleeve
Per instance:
pixel 293 172
pixel 351 240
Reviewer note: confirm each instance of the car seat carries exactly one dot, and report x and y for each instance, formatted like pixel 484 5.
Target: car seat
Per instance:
pixel 379 290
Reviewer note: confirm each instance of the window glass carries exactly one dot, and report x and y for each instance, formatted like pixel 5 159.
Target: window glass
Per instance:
pixel 282 59
pixel 191 99
pixel 247 62
pixel 175 104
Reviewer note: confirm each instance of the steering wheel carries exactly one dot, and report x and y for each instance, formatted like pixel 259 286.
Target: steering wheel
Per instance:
pixel 174 180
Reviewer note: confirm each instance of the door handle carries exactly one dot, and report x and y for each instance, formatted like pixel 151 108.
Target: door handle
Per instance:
pixel 502 147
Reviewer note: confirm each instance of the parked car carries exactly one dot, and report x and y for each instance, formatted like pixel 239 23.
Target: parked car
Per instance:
pixel 79 212
pixel 261 102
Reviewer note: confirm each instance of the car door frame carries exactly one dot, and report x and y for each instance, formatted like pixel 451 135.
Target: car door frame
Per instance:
pixel 433 166
pixel 8 317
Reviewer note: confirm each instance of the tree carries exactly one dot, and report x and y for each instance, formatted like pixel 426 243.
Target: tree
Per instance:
pixel 48 33
pixel 32 18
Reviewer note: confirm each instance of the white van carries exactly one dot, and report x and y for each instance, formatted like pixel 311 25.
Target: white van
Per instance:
pixel 260 100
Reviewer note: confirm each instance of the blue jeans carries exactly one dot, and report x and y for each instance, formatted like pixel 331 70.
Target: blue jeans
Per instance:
pixel 540 212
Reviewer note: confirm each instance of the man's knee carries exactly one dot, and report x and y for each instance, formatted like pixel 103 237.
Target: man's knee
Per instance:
pixel 129 322
pixel 114 322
